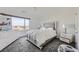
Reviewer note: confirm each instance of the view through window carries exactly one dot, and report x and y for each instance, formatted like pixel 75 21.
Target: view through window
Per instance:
pixel 19 24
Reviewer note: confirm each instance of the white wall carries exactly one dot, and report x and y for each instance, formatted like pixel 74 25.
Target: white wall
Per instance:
pixel 77 28
pixel 63 15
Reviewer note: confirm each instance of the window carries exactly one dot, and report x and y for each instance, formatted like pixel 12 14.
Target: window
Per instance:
pixel 19 24
pixel 26 24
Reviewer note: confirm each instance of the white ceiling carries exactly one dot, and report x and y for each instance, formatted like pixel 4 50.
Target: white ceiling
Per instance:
pixel 33 11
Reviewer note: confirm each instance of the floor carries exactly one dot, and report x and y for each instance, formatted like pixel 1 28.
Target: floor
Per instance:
pixel 22 45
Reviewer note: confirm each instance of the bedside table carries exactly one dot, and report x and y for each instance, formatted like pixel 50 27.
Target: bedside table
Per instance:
pixel 68 38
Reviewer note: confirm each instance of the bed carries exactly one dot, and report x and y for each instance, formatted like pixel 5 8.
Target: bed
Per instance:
pixel 40 37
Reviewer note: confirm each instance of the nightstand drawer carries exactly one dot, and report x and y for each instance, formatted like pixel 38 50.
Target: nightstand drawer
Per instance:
pixel 69 36
pixel 66 40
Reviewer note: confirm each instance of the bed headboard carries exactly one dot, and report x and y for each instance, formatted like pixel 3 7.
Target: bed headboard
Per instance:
pixel 49 25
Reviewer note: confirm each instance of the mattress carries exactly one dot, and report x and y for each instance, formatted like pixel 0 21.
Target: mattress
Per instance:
pixel 39 37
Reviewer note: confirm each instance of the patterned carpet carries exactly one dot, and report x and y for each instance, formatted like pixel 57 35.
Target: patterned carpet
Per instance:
pixel 22 45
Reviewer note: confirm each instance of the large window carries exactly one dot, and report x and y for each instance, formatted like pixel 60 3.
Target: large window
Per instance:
pixel 26 24
pixel 19 24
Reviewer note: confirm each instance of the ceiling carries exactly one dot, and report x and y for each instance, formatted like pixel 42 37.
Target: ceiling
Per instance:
pixel 36 12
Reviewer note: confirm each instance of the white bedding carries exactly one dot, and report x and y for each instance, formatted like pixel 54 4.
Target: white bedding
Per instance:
pixel 40 36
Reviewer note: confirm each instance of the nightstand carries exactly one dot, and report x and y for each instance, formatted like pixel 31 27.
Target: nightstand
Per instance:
pixel 68 38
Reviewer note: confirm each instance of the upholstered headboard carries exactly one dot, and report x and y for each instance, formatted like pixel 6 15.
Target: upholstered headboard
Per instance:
pixel 49 25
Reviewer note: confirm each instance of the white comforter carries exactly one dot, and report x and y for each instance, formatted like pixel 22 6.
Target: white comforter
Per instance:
pixel 41 36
